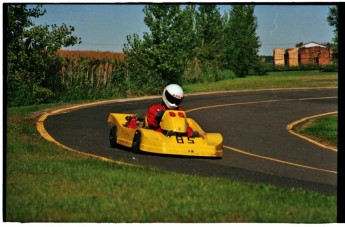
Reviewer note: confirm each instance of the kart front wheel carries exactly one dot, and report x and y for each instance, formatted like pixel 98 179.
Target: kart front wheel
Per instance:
pixel 113 136
pixel 136 142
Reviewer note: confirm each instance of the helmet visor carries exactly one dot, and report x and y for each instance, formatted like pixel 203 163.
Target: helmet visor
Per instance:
pixel 172 99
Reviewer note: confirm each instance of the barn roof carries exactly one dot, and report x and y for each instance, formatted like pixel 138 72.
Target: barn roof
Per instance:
pixel 312 44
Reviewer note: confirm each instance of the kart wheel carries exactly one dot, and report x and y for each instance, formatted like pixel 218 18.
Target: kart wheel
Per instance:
pixel 136 142
pixel 113 136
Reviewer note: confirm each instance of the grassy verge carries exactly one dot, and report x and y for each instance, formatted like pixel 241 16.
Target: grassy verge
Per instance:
pixel 295 79
pixel 45 183
pixel 323 130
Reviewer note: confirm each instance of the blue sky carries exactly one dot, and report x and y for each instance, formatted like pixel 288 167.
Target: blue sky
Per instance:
pixel 104 27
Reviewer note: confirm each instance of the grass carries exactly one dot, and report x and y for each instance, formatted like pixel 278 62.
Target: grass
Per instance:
pixel 294 79
pixel 323 130
pixel 45 183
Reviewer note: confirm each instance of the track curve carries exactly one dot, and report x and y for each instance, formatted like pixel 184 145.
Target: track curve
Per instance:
pixel 257 145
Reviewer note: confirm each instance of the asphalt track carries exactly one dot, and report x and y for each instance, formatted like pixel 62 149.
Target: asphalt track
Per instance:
pixel 257 144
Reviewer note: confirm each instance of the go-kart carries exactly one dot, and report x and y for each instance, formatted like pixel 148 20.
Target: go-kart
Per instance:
pixel 132 131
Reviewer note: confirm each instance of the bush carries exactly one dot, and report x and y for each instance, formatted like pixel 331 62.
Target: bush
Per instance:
pixel 207 72
pixel 270 67
pixel 226 75
pixel 330 68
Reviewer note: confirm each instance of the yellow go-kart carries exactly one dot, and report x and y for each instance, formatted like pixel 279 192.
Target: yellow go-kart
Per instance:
pixel 130 131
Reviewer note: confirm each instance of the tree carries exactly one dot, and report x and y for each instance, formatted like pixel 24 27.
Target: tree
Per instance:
pixel 30 52
pixel 209 34
pixel 159 59
pixel 299 44
pixel 187 21
pixel 241 41
pixel 333 20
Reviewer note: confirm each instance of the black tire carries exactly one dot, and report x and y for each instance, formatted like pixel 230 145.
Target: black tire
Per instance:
pixel 136 142
pixel 113 136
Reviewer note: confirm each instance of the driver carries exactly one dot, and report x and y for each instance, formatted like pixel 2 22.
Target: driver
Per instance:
pixel 171 99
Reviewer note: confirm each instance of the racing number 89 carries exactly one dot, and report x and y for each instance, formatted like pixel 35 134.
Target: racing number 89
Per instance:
pixel 179 139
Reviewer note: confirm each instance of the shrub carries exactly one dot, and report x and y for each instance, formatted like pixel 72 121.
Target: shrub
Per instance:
pixel 270 67
pixel 197 72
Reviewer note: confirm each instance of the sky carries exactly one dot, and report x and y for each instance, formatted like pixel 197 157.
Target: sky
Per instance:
pixel 104 27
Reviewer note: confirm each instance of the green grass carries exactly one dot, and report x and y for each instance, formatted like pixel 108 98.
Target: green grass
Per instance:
pixel 45 183
pixel 297 79
pixel 323 130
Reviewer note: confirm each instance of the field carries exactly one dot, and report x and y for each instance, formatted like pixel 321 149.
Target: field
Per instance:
pixel 294 79
pixel 91 54
pixel 45 183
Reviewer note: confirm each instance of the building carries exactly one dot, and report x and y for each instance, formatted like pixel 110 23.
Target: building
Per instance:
pixel 309 53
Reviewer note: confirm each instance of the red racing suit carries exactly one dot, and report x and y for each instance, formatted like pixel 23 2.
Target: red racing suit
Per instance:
pixel 154 124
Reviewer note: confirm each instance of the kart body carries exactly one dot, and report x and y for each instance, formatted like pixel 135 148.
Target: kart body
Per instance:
pixel 130 131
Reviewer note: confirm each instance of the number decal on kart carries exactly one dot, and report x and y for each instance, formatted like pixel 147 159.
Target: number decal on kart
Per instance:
pixel 190 140
pixel 179 139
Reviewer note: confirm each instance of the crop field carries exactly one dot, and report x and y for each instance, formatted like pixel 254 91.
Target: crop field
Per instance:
pixel 91 54
pixel 89 75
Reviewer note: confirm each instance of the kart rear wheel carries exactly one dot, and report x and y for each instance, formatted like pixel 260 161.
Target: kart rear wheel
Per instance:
pixel 136 142
pixel 113 136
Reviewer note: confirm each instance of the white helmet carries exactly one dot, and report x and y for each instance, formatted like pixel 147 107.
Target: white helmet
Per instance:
pixel 172 96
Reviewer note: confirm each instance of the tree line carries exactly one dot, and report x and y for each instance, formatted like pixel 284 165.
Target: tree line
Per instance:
pixel 193 40
pixel 185 44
